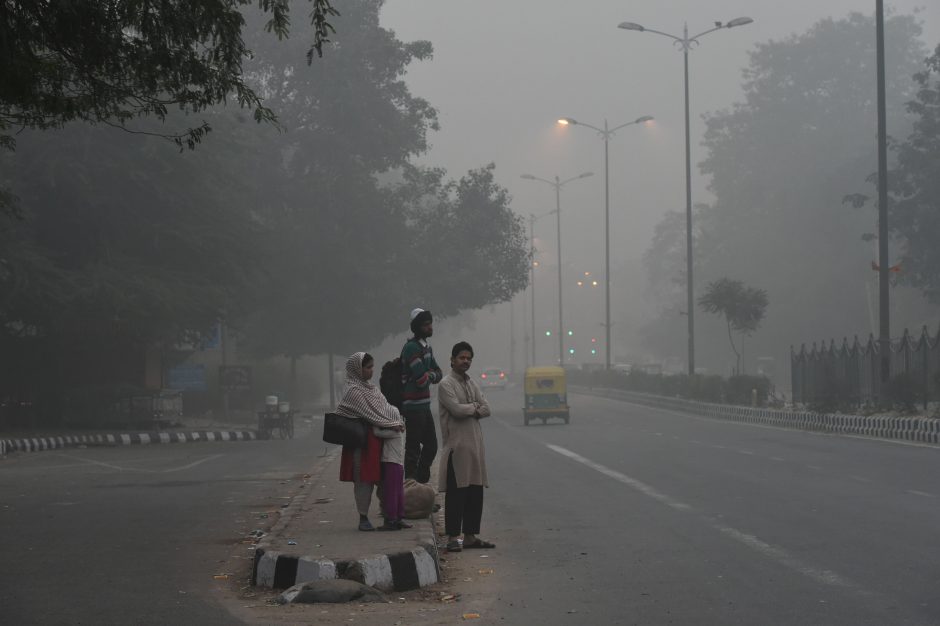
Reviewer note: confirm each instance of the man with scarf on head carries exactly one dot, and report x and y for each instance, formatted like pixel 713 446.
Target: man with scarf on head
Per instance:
pixel 419 372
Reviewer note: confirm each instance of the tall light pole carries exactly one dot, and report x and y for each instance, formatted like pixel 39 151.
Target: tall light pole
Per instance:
pixel 606 134
pixel 686 43
pixel 884 321
pixel 533 264
pixel 558 184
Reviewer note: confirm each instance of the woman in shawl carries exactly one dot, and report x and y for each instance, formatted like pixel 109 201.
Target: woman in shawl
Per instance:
pixel 363 400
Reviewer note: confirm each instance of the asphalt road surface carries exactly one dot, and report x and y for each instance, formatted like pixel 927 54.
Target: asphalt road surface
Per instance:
pixel 628 515
pixel 631 515
pixel 137 534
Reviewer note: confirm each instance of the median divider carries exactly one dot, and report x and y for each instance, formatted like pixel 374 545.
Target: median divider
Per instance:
pixel 903 428
pixel 36 444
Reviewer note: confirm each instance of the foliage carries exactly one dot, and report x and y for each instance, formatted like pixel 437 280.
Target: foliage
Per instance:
pixel 742 307
pixel 915 187
pixel 711 388
pixel 318 238
pixel 903 392
pixel 116 60
pixel 780 161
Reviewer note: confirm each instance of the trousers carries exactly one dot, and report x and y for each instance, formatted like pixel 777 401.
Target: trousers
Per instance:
pixel 463 507
pixel 420 442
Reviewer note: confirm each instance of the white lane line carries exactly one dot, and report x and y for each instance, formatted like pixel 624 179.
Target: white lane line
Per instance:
pixel 191 465
pixel 632 482
pixel 923 494
pixel 772 552
pixel 747 452
pixel 103 464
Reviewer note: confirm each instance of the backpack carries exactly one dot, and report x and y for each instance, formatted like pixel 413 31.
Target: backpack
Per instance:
pixel 390 382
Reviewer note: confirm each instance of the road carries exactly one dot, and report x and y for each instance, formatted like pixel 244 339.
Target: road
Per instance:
pixel 136 534
pixel 638 516
pixel 629 515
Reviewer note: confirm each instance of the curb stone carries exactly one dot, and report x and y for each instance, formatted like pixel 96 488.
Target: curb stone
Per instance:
pixel 36 444
pixel 401 571
pixel 920 430
pixel 388 572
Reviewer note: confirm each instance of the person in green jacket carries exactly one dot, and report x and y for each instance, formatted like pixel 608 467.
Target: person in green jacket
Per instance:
pixel 419 372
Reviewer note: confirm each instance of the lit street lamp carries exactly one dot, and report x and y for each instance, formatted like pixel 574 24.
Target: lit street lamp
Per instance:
pixel 606 133
pixel 686 43
pixel 558 184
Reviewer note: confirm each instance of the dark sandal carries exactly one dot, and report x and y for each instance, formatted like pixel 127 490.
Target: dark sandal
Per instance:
pixel 453 546
pixel 479 544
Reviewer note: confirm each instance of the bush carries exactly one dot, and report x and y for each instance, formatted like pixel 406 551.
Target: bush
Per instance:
pixel 734 390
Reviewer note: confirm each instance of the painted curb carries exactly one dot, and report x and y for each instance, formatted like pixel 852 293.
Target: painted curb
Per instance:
pixel 916 429
pixel 388 572
pixel 36 444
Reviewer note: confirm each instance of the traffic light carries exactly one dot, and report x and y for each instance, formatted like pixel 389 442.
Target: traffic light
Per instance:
pixel 570 333
pixel 548 333
pixel 593 339
pixel 593 351
pixel 570 350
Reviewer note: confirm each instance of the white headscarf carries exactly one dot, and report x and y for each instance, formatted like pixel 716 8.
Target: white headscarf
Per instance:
pixel 362 399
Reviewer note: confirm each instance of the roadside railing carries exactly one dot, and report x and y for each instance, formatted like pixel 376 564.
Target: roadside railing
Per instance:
pixel 848 374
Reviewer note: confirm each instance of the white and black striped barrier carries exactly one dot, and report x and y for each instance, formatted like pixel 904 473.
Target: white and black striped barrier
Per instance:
pixel 35 444
pixel 918 429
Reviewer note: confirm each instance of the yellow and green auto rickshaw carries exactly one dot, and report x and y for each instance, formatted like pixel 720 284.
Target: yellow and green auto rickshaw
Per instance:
pixel 546 394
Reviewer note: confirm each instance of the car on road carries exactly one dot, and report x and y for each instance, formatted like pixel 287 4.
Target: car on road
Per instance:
pixel 493 378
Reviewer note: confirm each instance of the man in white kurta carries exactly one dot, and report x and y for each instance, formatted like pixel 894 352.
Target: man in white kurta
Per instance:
pixel 463 465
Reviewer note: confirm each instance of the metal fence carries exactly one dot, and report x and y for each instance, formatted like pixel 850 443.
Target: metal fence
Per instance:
pixel 849 373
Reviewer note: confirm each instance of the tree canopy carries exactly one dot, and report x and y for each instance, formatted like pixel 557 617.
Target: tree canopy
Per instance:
pixel 779 163
pixel 742 307
pixel 314 236
pixel 111 61
pixel 914 186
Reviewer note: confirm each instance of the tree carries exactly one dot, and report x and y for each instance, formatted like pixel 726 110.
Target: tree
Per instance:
pixel 780 162
pixel 111 61
pixel 742 307
pixel 915 187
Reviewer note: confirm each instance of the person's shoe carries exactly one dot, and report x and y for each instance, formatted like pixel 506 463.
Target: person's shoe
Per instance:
pixel 389 526
pixel 403 524
pixel 453 546
pixel 366 525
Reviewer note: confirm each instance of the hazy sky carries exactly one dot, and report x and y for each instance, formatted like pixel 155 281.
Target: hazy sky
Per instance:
pixel 504 71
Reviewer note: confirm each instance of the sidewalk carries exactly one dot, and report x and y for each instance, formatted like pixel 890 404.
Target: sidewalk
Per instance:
pixel 317 537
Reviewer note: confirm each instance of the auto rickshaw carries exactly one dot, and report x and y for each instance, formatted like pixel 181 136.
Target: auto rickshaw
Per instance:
pixel 546 394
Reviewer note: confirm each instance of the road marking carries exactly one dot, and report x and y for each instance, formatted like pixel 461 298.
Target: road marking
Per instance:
pixel 776 458
pixel 103 464
pixel 860 479
pixel 632 482
pixel 772 552
pixel 747 452
pixel 191 465
pixel 923 494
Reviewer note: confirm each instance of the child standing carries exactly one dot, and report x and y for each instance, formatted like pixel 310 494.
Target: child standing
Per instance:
pixel 393 476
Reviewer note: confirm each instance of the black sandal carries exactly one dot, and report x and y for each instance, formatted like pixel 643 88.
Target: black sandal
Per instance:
pixel 479 544
pixel 453 546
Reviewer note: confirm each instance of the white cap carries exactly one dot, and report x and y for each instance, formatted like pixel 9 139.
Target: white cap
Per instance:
pixel 415 312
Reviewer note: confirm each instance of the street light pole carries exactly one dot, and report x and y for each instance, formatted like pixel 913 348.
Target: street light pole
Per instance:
pixel 532 277
pixel 606 133
pixel 884 320
pixel 558 184
pixel 686 43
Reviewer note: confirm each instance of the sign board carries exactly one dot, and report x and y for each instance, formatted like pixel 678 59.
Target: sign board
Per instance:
pixel 235 378
pixel 187 377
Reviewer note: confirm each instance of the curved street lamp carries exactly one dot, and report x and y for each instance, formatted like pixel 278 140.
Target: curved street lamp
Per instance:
pixel 686 43
pixel 558 184
pixel 606 134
